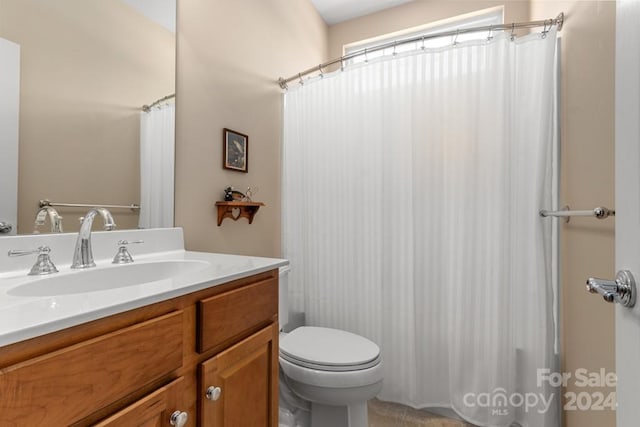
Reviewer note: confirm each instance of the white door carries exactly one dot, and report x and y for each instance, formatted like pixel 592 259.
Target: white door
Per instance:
pixel 9 107
pixel 628 205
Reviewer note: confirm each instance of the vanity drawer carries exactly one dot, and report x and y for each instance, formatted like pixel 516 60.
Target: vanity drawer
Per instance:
pixel 236 313
pixel 154 409
pixel 67 385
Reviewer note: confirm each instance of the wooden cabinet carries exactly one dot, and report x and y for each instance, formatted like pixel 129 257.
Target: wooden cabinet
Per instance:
pixel 224 318
pixel 154 410
pixel 67 385
pixel 239 384
pixel 139 367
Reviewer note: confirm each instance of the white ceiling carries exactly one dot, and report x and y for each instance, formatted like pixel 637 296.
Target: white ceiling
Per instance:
pixel 162 12
pixel 335 11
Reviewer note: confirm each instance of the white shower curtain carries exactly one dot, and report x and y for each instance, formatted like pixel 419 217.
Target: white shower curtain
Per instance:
pixel 157 154
pixel 411 191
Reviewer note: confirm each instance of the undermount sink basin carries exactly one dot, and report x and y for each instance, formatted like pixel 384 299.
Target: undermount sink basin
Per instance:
pixel 112 277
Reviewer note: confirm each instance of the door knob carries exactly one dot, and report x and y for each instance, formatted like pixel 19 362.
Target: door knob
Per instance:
pixel 622 290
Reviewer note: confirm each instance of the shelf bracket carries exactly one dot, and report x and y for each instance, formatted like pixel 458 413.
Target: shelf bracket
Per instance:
pixel 237 210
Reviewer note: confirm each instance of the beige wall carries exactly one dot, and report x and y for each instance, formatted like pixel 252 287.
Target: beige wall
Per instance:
pixel 587 180
pixel 230 54
pixel 414 14
pixel 87 66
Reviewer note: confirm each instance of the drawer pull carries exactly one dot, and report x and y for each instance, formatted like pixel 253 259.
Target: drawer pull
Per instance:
pixel 179 419
pixel 213 393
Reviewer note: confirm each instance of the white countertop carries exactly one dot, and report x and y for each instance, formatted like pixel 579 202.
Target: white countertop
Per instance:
pixel 24 317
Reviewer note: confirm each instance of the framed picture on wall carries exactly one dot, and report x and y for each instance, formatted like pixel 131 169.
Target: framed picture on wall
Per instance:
pixel 235 151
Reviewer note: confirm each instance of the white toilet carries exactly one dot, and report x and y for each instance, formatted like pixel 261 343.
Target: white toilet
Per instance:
pixel 326 375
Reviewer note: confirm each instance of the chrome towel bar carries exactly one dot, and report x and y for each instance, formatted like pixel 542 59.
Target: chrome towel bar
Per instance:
pixel 600 212
pixel 46 202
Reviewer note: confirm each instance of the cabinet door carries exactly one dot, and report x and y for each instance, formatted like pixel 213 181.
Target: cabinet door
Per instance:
pixel 239 386
pixel 153 410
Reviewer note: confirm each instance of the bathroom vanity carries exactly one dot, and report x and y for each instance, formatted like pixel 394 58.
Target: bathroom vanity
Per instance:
pixel 201 346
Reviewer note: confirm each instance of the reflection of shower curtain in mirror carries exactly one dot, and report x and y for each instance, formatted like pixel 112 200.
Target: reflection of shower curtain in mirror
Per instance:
pixel 157 152
pixel 411 191
pixel 10 90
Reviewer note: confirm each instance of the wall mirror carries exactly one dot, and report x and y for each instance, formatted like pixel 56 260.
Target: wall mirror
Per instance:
pixel 86 68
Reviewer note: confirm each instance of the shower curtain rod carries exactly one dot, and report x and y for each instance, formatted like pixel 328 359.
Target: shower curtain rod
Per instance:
pixel 147 108
pixel 547 23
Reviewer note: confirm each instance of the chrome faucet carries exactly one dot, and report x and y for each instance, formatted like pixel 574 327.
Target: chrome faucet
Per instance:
pixel 54 218
pixel 82 255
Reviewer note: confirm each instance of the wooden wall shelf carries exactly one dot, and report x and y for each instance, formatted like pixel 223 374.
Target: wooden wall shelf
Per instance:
pixel 237 210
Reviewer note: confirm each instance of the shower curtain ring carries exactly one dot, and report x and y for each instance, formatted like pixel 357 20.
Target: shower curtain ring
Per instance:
pixel 455 40
pixel 300 78
pixel 490 36
pixel 395 43
pixel 366 58
pixel 320 70
pixel 423 47
pixel 545 30
pixel 513 31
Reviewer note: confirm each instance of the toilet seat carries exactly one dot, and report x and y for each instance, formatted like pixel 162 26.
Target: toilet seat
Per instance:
pixel 330 350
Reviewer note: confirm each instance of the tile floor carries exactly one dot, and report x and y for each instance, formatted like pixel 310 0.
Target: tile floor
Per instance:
pixel 387 414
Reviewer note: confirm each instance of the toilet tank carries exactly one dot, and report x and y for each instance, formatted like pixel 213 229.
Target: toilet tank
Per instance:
pixel 283 292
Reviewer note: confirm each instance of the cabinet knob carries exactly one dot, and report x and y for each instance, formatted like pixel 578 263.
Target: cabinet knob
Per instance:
pixel 179 419
pixel 213 393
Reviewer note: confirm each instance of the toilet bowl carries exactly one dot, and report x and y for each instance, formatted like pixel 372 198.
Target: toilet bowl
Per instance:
pixel 326 375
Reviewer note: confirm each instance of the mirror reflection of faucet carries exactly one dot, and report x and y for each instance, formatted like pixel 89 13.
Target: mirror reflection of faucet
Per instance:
pixel 82 254
pixel 5 227
pixel 54 218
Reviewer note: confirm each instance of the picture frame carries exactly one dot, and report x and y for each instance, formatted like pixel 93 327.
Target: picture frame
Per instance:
pixel 235 151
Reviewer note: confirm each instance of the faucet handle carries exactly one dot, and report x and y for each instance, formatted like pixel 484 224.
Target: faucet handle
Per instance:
pixel 126 242
pixel 123 256
pixel 43 264
pixel 17 252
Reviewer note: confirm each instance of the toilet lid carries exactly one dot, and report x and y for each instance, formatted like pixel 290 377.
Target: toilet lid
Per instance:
pixel 329 349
